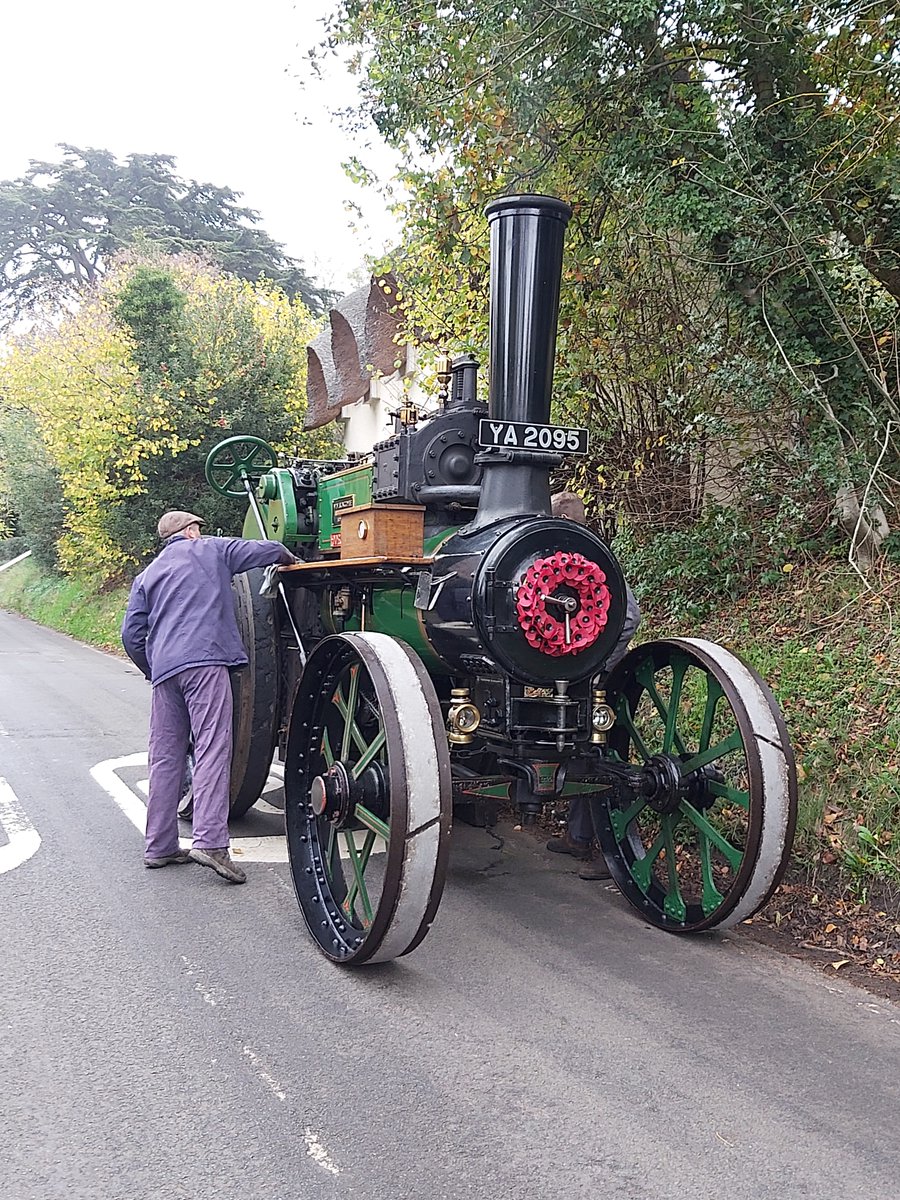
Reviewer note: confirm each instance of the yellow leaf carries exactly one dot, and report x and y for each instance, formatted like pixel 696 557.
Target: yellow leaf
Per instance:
pixel 842 962
pixel 787 568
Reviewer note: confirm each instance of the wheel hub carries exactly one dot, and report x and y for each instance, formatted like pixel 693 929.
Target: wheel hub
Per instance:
pixel 661 783
pixel 329 794
pixel 697 791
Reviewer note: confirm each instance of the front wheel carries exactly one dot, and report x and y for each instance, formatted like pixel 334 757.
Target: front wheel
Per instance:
pixel 701 835
pixel 367 798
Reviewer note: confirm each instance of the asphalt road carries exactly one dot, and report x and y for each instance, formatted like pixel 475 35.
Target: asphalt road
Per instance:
pixel 166 1035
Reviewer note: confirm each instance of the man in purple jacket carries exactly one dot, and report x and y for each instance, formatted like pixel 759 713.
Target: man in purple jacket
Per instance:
pixel 180 629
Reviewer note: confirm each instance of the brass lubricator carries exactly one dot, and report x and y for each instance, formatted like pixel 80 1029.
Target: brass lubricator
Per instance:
pixel 462 719
pixel 444 375
pixel 602 717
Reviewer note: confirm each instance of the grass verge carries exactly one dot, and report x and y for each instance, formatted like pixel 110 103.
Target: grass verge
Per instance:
pixel 89 613
pixel 831 654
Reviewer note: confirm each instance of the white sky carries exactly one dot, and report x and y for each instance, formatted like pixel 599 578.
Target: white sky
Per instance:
pixel 217 85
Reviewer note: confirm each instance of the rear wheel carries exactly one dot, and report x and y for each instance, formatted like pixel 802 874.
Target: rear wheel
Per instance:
pixel 255 692
pixel 703 839
pixel 367 798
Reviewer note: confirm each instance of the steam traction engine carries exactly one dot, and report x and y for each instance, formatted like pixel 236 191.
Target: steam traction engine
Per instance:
pixel 442 645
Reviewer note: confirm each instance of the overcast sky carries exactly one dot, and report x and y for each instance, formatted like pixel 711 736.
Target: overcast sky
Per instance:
pixel 213 83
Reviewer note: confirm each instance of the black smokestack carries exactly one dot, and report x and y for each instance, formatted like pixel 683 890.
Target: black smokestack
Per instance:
pixel 527 234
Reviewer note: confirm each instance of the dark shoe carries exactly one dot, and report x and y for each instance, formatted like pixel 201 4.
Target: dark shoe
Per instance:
pixel 595 867
pixel 170 860
pixel 221 862
pixel 567 845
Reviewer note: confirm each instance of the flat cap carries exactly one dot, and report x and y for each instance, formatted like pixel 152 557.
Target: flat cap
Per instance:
pixel 171 523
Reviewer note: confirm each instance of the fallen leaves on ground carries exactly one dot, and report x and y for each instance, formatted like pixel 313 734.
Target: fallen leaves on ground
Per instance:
pixel 837 932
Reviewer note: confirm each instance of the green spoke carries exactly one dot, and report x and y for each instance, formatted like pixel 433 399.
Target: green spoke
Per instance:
pixel 359 882
pixel 734 741
pixel 621 819
pixel 734 856
pixel 626 719
pixel 679 667
pixel 714 694
pixel 329 853
pixel 712 897
pixel 372 822
pixel 327 752
pixel 363 860
pixel 368 753
pixel 727 792
pixel 349 722
pixel 674 904
pixel 642 868
pixel 644 675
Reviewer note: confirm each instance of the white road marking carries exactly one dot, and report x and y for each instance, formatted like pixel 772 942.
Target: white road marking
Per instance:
pixel 271 1083
pixel 12 562
pixel 264 849
pixel 131 805
pixel 318 1153
pixel 212 995
pixel 252 849
pixel 24 839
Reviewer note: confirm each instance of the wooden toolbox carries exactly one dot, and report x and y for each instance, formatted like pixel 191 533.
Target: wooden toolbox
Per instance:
pixel 382 529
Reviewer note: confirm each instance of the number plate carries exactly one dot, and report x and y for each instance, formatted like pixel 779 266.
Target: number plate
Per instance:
pixel 514 435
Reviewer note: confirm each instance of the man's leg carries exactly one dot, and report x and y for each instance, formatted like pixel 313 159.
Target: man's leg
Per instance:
pixel 169 733
pixel 207 692
pixel 579 831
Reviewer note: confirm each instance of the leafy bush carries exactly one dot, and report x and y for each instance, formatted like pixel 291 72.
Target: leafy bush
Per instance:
pixel 12 547
pixel 32 482
pixel 122 403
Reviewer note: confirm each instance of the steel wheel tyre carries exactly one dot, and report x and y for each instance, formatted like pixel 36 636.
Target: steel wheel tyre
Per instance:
pixel 707 840
pixel 255 693
pixel 367 798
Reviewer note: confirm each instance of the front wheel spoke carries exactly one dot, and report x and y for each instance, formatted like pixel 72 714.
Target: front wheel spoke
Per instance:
pixel 363 860
pixel 712 897
pixel 645 676
pixel 679 667
pixel 359 885
pixel 734 741
pixel 714 694
pixel 372 822
pixel 674 904
pixel 626 719
pixel 622 818
pixel 329 853
pixel 734 856
pixel 349 721
pixel 642 868
pixel 726 792
pixel 367 755
pixel 327 752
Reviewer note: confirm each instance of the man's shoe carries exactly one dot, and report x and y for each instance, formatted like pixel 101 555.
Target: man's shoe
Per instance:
pixel 595 867
pixel 221 862
pixel 169 860
pixel 567 845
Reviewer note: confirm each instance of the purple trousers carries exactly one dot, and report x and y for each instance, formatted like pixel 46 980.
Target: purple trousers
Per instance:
pixel 196 701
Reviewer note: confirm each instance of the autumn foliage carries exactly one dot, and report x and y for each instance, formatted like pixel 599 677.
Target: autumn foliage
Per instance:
pixel 116 408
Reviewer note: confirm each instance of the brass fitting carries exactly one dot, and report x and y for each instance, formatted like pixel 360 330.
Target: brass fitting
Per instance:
pixel 602 717
pixel 444 376
pixel 462 719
